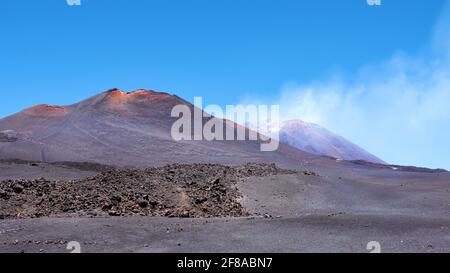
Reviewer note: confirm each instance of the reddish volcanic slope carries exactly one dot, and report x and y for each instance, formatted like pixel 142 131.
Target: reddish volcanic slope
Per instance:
pixel 314 139
pixel 123 129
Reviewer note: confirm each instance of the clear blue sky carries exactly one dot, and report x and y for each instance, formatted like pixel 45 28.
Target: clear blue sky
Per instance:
pixel 224 50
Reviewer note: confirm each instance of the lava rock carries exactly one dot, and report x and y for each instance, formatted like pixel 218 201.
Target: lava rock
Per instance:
pixel 177 190
pixel 143 203
pixel 115 200
pixel 17 188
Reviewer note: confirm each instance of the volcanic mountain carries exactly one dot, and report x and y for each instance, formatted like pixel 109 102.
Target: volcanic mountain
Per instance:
pixel 317 140
pixel 123 129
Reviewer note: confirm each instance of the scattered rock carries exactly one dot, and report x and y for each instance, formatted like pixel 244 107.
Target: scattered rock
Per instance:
pixel 3 194
pixel 310 173
pixel 107 207
pixel 114 213
pixel 17 188
pixel 143 203
pixel 201 200
pixel 177 190
pixel 115 200
pixel 185 214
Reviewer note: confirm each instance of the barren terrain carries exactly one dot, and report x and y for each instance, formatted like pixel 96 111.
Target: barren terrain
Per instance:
pixel 266 209
pixel 107 173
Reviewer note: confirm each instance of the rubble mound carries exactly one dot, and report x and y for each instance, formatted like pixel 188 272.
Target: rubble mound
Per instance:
pixel 199 190
pixel 8 136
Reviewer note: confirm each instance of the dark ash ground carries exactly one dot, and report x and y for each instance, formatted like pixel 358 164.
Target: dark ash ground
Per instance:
pixel 314 209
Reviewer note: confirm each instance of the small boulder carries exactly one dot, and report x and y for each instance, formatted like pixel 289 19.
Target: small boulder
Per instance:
pixel 3 194
pixel 18 188
pixel 115 200
pixel 142 203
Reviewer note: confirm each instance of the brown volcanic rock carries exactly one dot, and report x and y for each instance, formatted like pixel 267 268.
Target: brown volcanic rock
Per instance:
pixel 173 191
pixel 125 129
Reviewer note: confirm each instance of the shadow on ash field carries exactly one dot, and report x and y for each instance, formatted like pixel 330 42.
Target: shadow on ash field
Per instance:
pixel 321 210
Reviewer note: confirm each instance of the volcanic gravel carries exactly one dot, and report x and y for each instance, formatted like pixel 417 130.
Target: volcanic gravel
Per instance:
pixel 199 190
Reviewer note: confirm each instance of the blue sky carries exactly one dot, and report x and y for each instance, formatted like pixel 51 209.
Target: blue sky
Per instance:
pixel 234 51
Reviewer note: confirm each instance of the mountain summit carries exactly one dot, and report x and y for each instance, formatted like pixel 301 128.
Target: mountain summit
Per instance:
pixel 124 129
pixel 312 138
